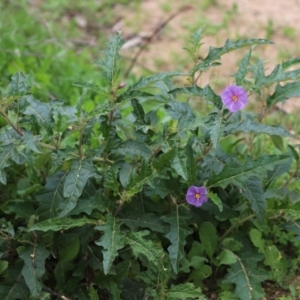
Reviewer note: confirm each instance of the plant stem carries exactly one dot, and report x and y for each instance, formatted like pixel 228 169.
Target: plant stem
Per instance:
pixel 235 225
pixel 6 118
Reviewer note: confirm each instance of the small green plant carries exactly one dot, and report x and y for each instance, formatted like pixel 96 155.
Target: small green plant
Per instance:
pixel 142 197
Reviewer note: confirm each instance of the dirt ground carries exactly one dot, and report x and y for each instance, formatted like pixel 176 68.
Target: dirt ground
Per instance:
pixel 277 20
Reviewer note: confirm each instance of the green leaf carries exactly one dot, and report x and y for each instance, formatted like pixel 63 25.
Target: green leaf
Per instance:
pixel 199 274
pixel 74 184
pixel 61 271
pixel 70 249
pixel 144 220
pixel 112 241
pixel 141 96
pixel 253 191
pixel 61 224
pixel 278 142
pixel 226 257
pixel 209 238
pixel 205 93
pixel 138 180
pixel 21 209
pixel 277 263
pixel 51 196
pixel 34 267
pixel 13 285
pixel 111 282
pixel 8 152
pixel 179 110
pixel 215 129
pixel 293 61
pixel 149 81
pixel 276 76
pixel 32 141
pixel 109 65
pixel 138 111
pixel 190 165
pixel 193 49
pixel 216 200
pixel 142 246
pixel 177 235
pixel 185 291
pixel 195 262
pixel 293 152
pixel 88 205
pixel 165 159
pixel 256 239
pixel 3 265
pixel 250 126
pixel 131 148
pixel 282 93
pixel 41 111
pixel 180 164
pixel 18 84
pixel 216 53
pixel 243 69
pixel 247 276
pixel 237 174
pixel 90 86
pixel 111 181
pixel 93 294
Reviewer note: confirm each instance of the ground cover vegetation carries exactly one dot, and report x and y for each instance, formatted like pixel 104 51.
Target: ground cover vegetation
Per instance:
pixel 148 188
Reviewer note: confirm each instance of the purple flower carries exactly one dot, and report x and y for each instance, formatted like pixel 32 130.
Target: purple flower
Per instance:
pixel 234 98
pixel 196 195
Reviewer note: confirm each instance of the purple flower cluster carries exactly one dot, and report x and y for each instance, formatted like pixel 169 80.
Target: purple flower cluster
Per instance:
pixel 196 195
pixel 234 98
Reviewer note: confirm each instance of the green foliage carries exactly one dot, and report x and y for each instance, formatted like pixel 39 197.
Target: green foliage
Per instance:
pixel 93 201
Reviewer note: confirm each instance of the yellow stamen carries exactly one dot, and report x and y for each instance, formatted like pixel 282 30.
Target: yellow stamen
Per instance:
pixel 197 196
pixel 235 98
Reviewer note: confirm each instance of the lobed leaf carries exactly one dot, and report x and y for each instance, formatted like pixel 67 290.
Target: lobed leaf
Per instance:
pixel 143 246
pixel 250 126
pixel 74 184
pixel 144 220
pixel 34 266
pixel 216 53
pixel 205 93
pixel 147 82
pixel 18 84
pixel 276 76
pixel 282 93
pixel 61 224
pixel 253 191
pixel 109 65
pixel 208 237
pixel 177 236
pixel 243 69
pixel 247 276
pixel 51 196
pixel 131 148
pixel 185 291
pixel 112 240
pixel 41 111
pixel 237 174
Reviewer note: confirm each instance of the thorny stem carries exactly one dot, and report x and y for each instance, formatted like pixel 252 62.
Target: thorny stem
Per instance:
pixel 48 290
pixel 3 114
pixel 155 32
pixel 95 159
pixel 235 225
pixel 293 175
